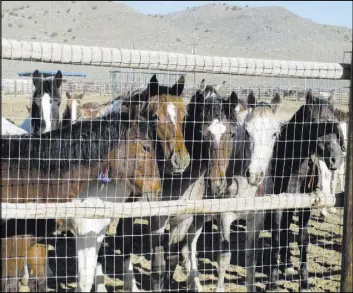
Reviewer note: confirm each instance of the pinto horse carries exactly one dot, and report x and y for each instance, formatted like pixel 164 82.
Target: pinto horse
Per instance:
pixel 46 100
pixel 59 167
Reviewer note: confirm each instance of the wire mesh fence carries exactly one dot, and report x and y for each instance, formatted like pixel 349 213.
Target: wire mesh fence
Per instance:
pixel 146 179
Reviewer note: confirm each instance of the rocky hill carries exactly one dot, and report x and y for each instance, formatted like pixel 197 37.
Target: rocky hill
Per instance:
pixel 216 29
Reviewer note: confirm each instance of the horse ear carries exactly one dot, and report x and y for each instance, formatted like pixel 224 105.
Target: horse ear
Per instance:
pixel 309 99
pixel 152 88
pixel 203 85
pixel 251 100
pixel 218 87
pixel 58 79
pixel 232 103
pixel 68 95
pixel 233 99
pixel 36 78
pixel 178 87
pixel 276 101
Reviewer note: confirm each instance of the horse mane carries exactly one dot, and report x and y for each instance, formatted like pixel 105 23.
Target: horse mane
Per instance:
pixel 77 143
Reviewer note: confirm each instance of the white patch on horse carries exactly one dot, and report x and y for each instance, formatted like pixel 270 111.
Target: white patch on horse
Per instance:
pixel 217 129
pixel 172 112
pixel 74 111
pixel 46 108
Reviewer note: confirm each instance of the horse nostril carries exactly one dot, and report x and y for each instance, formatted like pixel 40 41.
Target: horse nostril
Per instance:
pixel 247 174
pixel 333 160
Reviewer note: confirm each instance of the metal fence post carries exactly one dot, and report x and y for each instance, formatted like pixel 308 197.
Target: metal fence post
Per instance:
pixel 347 251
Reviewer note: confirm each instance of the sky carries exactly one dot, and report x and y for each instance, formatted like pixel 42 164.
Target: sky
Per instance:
pixel 323 12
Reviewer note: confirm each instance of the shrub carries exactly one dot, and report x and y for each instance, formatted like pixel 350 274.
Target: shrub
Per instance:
pixel 65 41
pixel 28 6
pixel 73 37
pixel 20 25
pixel 69 30
pixel 94 7
pixel 30 17
pixel 12 13
pixel 21 8
pixel 178 40
pixel 35 22
pixel 33 38
pixel 10 25
pixel 68 11
pixel 53 34
pixel 46 11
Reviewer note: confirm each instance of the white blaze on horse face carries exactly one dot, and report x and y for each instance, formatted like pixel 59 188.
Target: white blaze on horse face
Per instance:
pixel 217 129
pixel 74 111
pixel 46 110
pixel 262 132
pixel 172 113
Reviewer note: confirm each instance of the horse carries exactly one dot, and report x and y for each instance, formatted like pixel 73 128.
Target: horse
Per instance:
pixel 246 175
pixel 329 178
pixel 72 111
pixel 215 130
pixel 160 102
pixel 46 100
pixel 164 109
pixel 312 131
pixel 58 155
pixel 210 126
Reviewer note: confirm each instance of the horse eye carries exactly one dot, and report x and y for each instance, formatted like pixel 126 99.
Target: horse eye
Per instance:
pixel 146 148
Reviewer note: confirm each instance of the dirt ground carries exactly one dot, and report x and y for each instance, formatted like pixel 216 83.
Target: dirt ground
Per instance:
pixel 324 249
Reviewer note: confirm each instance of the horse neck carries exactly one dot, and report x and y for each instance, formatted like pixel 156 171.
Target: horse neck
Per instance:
pixel 241 153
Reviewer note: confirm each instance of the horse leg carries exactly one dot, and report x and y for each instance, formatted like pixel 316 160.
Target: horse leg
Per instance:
pixel 276 217
pixel 254 225
pixel 179 227
pixel 157 225
pixel 224 256
pixel 193 235
pixel 37 265
pixel 303 243
pixel 99 279
pixel 288 268
pixel 129 277
pixel 88 248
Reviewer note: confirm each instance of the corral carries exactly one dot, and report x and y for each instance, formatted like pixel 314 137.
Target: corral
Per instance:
pixel 326 234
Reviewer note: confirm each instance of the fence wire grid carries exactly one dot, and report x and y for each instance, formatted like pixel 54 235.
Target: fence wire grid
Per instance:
pixel 145 180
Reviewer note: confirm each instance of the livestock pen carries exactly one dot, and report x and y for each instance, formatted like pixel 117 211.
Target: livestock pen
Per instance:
pixel 219 78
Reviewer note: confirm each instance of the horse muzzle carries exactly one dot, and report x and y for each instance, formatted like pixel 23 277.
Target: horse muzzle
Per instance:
pixel 255 179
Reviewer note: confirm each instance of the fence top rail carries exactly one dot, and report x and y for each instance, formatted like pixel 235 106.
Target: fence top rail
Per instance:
pixel 166 61
pixel 96 208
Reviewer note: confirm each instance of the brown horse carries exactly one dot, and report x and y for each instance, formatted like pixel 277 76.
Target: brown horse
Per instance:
pixel 164 110
pixel 113 146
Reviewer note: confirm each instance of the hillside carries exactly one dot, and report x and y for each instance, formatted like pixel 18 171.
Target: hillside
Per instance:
pixel 223 30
